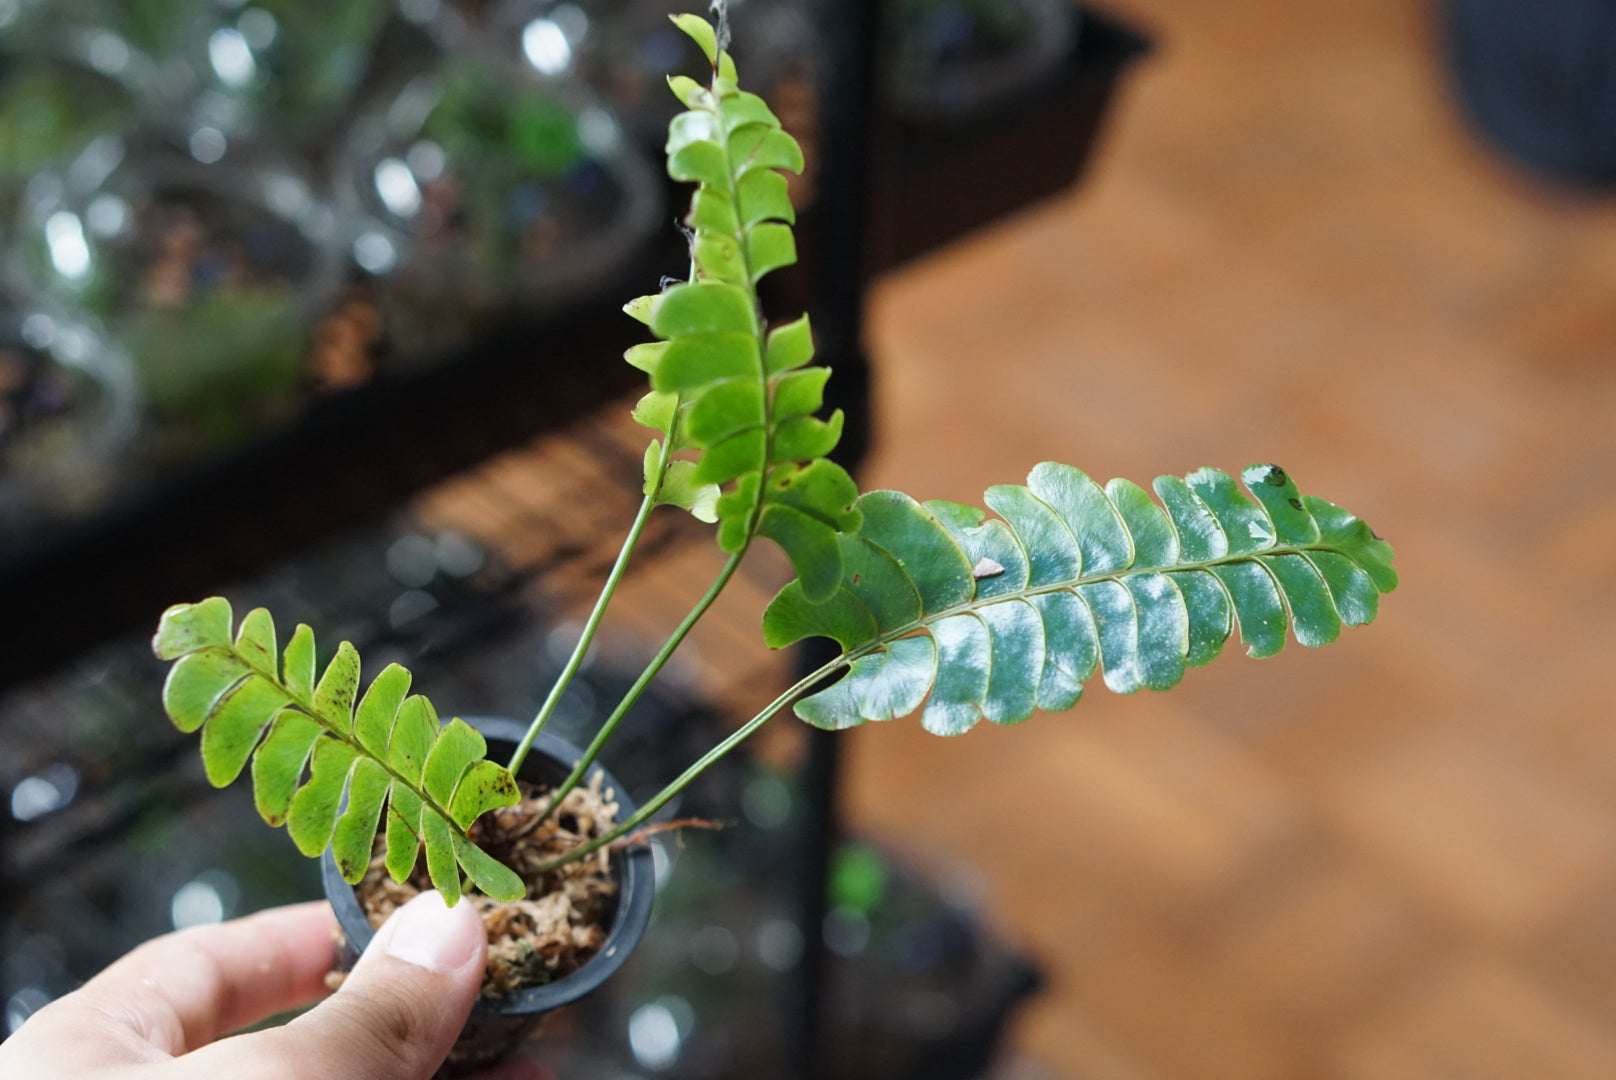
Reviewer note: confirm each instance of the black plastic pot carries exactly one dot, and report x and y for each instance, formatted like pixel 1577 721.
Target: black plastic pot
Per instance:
pixel 496 1027
pixel 1538 80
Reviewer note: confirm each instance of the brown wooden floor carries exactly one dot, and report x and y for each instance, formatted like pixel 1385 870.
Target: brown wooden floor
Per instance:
pixel 1394 859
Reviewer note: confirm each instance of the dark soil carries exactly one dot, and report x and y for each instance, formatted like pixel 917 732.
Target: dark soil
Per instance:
pixel 562 921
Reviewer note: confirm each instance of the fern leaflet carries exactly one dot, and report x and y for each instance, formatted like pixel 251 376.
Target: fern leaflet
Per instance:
pixel 741 397
pixel 977 617
pixel 313 746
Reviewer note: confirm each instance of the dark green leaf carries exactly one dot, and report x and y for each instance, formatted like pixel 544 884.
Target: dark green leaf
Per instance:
pixel 1257 606
pixel 1207 602
pixel 1200 537
pixel 882 686
pixel 1016 633
pixel 1346 534
pixel 821 489
pixel 1117 626
pixel 1293 524
pixel 962 675
pixel 928 555
pixel 1074 649
pixel 872 574
pixel 1314 619
pixel 997 560
pixel 1073 578
pixel 1154 541
pixel 1103 543
pixel 1350 587
pixel 1052 554
pixel 1243 521
pixel 844 618
pixel 1164 629
pixel 810 544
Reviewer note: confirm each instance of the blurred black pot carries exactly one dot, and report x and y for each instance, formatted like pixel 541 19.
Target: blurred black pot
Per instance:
pixel 1539 82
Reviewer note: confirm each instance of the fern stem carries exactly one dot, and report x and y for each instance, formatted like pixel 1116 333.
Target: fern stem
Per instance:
pixel 586 637
pixel 684 780
pixel 658 662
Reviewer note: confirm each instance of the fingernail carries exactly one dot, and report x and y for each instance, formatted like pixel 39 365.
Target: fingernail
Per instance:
pixel 429 934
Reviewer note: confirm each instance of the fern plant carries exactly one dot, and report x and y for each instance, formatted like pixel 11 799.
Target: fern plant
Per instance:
pixel 937 607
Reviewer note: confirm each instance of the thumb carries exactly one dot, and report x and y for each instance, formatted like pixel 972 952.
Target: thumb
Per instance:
pixel 398 1012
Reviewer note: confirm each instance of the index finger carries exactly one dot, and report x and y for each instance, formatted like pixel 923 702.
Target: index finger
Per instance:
pixel 185 989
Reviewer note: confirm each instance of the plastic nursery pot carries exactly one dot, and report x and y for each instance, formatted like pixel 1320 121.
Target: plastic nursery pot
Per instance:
pixel 497 1026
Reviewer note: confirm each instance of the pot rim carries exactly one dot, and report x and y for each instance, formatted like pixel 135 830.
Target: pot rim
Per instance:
pixel 633 869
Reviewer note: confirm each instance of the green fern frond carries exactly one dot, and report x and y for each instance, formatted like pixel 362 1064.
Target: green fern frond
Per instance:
pixel 724 386
pixel 977 617
pixel 312 744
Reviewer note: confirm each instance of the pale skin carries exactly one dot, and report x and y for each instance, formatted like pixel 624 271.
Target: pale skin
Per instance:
pixel 166 1011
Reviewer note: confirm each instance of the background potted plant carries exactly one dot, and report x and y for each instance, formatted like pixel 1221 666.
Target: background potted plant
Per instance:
pixel 937 607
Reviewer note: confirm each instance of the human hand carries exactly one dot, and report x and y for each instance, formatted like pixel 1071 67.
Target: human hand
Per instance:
pixel 159 1013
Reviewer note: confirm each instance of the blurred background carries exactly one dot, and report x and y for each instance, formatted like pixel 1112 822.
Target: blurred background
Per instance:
pixel 316 305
